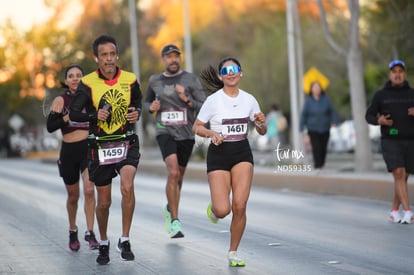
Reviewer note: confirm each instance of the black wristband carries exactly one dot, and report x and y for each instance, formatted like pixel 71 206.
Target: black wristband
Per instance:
pixel 188 101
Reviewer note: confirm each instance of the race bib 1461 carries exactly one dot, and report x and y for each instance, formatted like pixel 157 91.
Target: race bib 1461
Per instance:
pixel 234 128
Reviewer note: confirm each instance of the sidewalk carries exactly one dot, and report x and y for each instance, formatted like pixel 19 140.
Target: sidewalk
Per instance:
pixel 337 178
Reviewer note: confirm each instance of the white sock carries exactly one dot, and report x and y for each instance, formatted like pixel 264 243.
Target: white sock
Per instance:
pixel 104 242
pixel 232 253
pixel 123 239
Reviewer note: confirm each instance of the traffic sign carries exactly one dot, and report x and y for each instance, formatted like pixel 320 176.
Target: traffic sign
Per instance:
pixel 314 75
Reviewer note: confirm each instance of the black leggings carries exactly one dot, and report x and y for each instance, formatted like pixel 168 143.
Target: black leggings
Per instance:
pixel 319 142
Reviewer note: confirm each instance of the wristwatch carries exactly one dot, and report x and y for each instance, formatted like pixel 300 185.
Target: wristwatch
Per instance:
pixel 188 101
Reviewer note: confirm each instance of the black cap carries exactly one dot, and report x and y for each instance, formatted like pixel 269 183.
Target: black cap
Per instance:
pixel 396 63
pixel 169 49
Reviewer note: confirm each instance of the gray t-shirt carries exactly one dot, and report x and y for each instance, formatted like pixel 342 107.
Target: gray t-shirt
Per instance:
pixel 175 117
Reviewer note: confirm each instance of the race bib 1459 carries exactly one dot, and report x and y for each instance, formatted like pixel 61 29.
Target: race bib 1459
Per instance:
pixel 112 152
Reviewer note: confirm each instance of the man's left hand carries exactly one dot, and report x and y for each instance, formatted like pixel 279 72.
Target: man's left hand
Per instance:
pixel 133 115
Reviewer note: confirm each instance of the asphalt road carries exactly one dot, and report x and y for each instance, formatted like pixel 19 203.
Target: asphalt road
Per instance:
pixel 287 232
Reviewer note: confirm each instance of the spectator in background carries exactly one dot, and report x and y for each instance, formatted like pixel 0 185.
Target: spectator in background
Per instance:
pixel 5 148
pixel 392 108
pixel 317 117
pixel 73 158
pixel 276 125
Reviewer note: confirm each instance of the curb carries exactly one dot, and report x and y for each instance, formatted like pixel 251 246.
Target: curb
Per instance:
pixel 377 185
pixel 330 183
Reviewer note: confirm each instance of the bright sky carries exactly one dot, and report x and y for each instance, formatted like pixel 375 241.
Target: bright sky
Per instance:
pixel 24 13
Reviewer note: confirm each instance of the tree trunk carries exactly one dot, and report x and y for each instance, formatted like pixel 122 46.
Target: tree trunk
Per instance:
pixel 363 151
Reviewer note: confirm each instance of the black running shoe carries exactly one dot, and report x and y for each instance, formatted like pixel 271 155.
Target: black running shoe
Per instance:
pixel 125 249
pixel 103 257
pixel 74 244
pixel 91 239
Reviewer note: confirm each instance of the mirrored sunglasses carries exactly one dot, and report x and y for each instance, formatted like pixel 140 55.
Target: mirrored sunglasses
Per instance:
pixel 226 70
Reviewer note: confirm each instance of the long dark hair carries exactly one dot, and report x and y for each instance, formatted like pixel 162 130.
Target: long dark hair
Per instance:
pixel 209 76
pixel 68 68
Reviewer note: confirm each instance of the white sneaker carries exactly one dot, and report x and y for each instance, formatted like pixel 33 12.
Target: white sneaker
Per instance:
pixel 408 217
pixel 395 217
pixel 234 260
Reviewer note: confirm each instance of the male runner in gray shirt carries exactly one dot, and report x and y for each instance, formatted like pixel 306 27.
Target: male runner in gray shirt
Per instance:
pixel 176 97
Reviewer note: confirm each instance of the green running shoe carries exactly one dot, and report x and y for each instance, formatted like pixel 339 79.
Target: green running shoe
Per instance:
pixel 210 214
pixel 176 231
pixel 167 216
pixel 234 260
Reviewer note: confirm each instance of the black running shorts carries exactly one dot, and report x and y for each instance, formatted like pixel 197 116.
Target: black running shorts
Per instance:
pixel 228 154
pixel 182 148
pixel 72 161
pixel 398 153
pixel 102 174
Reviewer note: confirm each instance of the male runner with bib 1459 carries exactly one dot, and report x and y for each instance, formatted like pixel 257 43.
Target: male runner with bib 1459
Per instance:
pixel 112 100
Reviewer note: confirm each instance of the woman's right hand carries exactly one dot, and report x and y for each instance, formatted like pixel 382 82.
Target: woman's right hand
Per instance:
pixel 217 138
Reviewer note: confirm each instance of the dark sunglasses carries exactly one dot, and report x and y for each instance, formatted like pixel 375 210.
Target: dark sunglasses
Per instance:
pixel 226 70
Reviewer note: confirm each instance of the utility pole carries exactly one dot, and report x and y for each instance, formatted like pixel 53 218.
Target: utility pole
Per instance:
pixel 187 38
pixel 135 59
pixel 294 110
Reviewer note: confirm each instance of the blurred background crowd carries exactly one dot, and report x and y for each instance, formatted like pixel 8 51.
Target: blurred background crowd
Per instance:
pixel 255 31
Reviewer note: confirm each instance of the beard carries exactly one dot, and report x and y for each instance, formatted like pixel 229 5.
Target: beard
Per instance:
pixel 110 70
pixel 173 70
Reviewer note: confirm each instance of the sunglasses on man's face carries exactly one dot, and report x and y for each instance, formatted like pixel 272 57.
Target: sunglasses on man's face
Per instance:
pixel 226 70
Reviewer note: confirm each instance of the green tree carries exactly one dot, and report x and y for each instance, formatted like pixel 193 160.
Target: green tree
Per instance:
pixel 387 36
